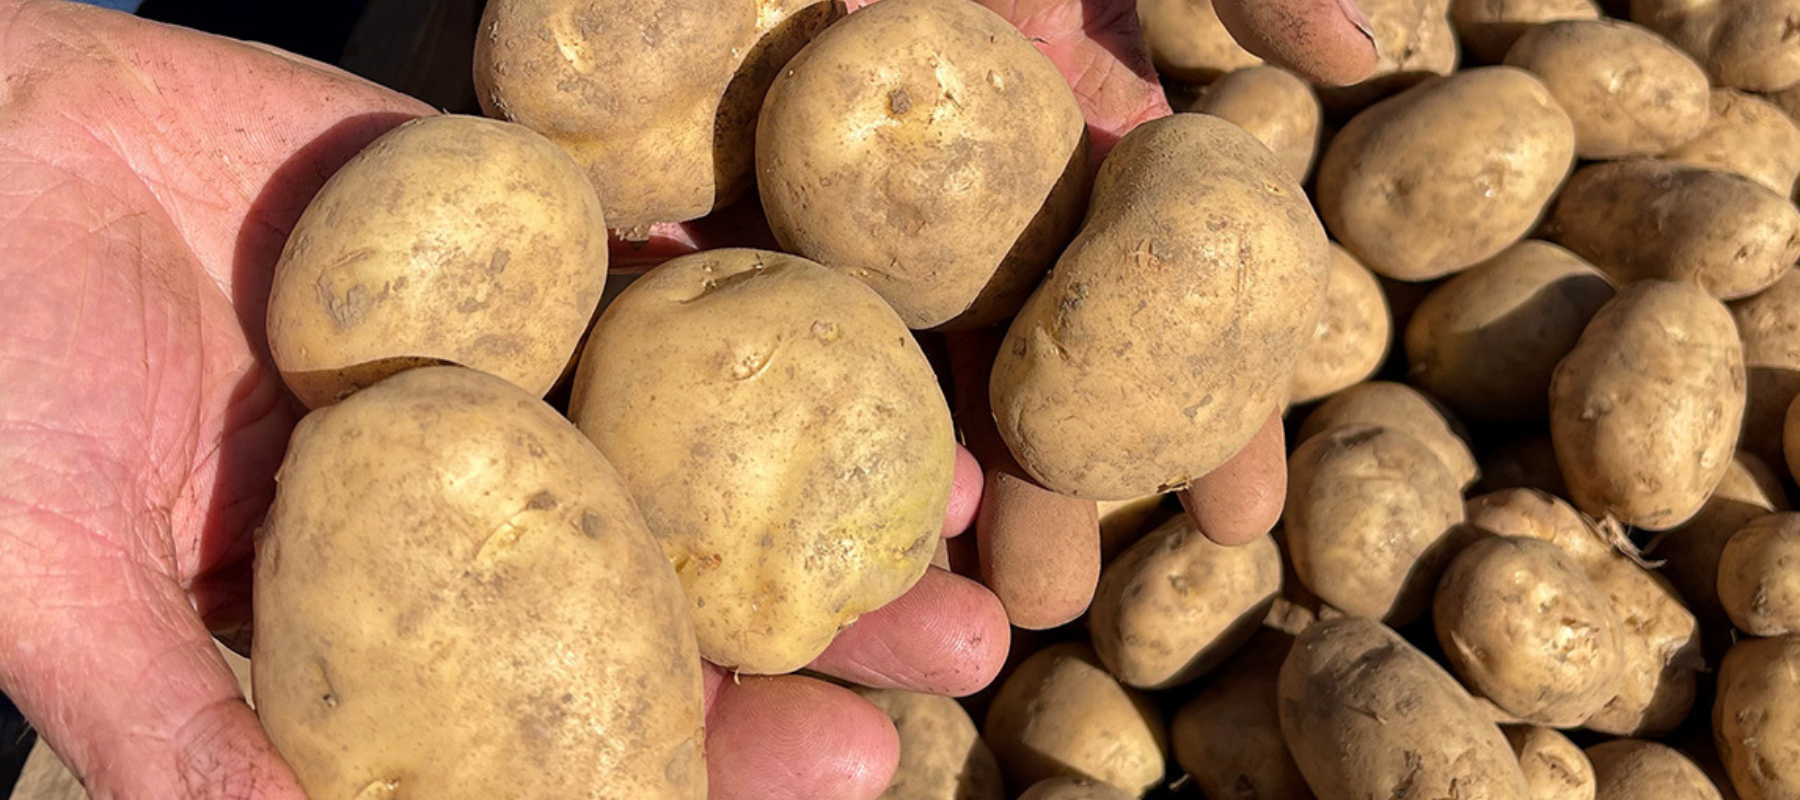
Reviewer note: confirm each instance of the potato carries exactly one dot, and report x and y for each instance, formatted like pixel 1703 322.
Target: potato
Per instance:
pixel 1645 410
pixel 455 598
pixel 1175 605
pixel 1746 44
pixel 1691 552
pixel 1756 718
pixel 1123 522
pixel 1759 576
pixel 1488 28
pixel 1371 516
pixel 1633 769
pixel 1446 174
pixel 1353 333
pixel 1200 272
pixel 1487 341
pixel 1628 91
pixel 1060 715
pixel 1769 326
pixel 1523 626
pixel 926 148
pixel 1187 42
pixel 785 438
pixel 1554 767
pixel 1414 41
pixel 1073 789
pixel 942 756
pixel 445 240
pixel 1527 461
pixel 1275 106
pixel 1367 715
pixel 1228 737
pixel 1748 136
pixel 1653 220
pixel 1397 406
pixel 1790 437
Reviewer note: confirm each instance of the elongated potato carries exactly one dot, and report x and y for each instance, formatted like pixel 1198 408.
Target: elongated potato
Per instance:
pixel 1402 408
pixel 1074 789
pixel 1352 336
pixel 1759 576
pixel 1275 106
pixel 1187 42
pixel 1749 136
pixel 1628 91
pixel 1061 715
pixel 1769 325
pixel 1200 271
pixel 1744 45
pixel 456 598
pixel 1691 552
pixel 1634 769
pixel 1228 738
pixel 1488 28
pixel 1756 717
pixel 1553 765
pixel 1645 410
pixel 942 756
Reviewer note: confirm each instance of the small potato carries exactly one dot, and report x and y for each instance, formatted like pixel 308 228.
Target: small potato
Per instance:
pixel 1652 220
pixel 1175 605
pixel 1488 28
pixel 1748 136
pixel 1371 520
pixel 1367 715
pixel 450 239
pixel 1553 765
pixel 1523 626
pixel 1414 41
pixel 1275 106
pixel 942 756
pixel 1768 323
pixel 1074 789
pixel 1228 738
pixel 1061 715
pixel 1488 341
pixel 1353 334
pixel 1645 410
pixel 1527 461
pixel 1446 174
pixel 1746 44
pixel 1759 576
pixel 1634 769
pixel 1756 718
pixel 1402 408
pixel 1187 42
pixel 1629 92
pixel 1691 552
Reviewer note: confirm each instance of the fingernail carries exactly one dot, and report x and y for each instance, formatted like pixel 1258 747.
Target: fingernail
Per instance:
pixel 1355 14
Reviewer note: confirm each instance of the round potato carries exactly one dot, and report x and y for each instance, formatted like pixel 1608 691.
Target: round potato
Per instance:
pixel 1759 576
pixel 1402 408
pixel 1446 174
pixel 1074 789
pixel 1275 106
pixel 1061 715
pixel 449 239
pixel 1756 718
pixel 1749 136
pixel 1554 767
pixel 1487 341
pixel 1634 769
pixel 942 756
pixel 1527 461
pixel 1488 28
pixel 927 149
pixel 1744 45
pixel 1414 41
pixel 785 438
pixel 1187 42
pixel 1367 715
pixel 1628 91
pixel 1200 274
pixel 1691 552
pixel 1353 334
pixel 1228 738
pixel 1645 410
pixel 456 598
pixel 1768 323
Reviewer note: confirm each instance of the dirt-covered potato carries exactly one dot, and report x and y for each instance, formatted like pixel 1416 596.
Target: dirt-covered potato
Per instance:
pixel 1523 626
pixel 1397 406
pixel 1634 769
pixel 1691 552
pixel 456 598
pixel 1174 605
pixel 926 148
pixel 1749 136
pixel 1367 715
pixel 785 437
pixel 1487 341
pixel 1628 91
pixel 1187 42
pixel 1275 106
pixel 1645 410
pixel 1353 333
pixel 1759 576
pixel 1371 519
pixel 1446 174
pixel 656 100
pixel 1644 219
pixel 1768 323
pixel 450 239
pixel 1527 461
pixel 1488 28
pixel 1061 715
pixel 1228 737
pixel 1414 41
pixel 1554 767
pixel 1074 789
pixel 1746 44
pixel 1169 330
pixel 1756 718
pixel 942 756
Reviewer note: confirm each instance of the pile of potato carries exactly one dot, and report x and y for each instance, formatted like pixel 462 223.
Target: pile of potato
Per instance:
pixel 1526 301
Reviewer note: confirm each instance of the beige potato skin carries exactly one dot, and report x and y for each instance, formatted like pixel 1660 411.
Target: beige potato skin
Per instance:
pixel 1274 105
pixel 1653 220
pixel 1074 789
pixel 785 438
pixel 455 598
pixel 1200 272
pixel 1756 718
pixel 1397 406
pixel 1743 45
pixel 1228 738
pixel 1487 341
pixel 1554 767
pixel 927 149
pixel 1061 715
pixel 1628 91
pixel 449 239
pixel 1759 576
pixel 1446 174
pixel 1634 769
pixel 1367 715
pixel 1414 41
pixel 1749 136
pixel 1187 42
pixel 1175 605
pixel 1488 28
pixel 942 756
pixel 1769 325
pixel 1353 334
pixel 1749 490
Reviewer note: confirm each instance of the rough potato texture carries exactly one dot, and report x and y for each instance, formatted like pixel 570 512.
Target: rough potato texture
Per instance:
pixel 1749 136
pixel 942 756
pixel 1691 552
pixel 1756 718
pixel 1769 325
pixel 1487 341
pixel 1169 331
pixel 1228 738
pixel 1367 715
pixel 1187 42
pixel 1554 767
pixel 1629 92
pixel 1642 219
pixel 1414 41
pixel 1402 408
pixel 1633 769
pixel 455 598
pixel 449 239
pixel 1446 174
pixel 1759 576
pixel 1074 789
pixel 926 148
pixel 1175 605
pixel 1747 44
pixel 785 438
pixel 1275 106
pixel 1371 520
pixel 1061 715
pixel 1353 334
pixel 1488 28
